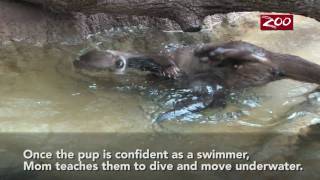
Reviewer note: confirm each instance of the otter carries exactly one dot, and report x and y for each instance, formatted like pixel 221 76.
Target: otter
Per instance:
pixel 208 70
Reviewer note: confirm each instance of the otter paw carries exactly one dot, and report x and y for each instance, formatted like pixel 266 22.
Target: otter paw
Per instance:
pixel 237 51
pixel 172 72
pixel 220 53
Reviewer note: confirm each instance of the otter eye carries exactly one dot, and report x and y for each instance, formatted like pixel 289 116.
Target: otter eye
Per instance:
pixel 119 64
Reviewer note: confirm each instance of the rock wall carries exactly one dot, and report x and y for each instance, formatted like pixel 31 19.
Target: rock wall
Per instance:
pixel 33 24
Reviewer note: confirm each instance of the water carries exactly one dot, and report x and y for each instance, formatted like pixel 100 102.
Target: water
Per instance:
pixel 41 92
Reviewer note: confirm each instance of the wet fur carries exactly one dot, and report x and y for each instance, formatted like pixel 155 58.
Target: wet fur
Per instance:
pixel 209 70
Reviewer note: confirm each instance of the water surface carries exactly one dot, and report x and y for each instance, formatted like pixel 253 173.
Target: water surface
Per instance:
pixel 41 92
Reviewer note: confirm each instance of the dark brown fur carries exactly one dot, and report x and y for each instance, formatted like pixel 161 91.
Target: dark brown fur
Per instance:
pixel 210 69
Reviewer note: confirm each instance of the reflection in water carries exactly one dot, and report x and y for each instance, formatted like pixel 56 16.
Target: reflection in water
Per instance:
pixel 40 91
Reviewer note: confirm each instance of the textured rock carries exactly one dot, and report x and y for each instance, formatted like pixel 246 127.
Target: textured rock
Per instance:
pixel 36 25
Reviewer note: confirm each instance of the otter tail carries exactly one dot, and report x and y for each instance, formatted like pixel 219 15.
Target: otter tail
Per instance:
pixel 297 68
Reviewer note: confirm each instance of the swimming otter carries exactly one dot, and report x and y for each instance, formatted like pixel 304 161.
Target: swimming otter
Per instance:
pixel 208 70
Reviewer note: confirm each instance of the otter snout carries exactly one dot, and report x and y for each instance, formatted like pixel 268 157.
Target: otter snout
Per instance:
pixel 101 60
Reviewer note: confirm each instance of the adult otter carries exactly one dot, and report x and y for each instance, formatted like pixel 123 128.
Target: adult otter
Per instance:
pixel 208 70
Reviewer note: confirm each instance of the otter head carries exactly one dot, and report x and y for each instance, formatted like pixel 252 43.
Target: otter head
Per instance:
pixel 117 62
pixel 95 60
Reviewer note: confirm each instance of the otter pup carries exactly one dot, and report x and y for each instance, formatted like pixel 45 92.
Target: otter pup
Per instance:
pixel 209 71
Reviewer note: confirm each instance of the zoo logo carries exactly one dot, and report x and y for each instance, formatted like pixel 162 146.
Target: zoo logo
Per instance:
pixel 276 22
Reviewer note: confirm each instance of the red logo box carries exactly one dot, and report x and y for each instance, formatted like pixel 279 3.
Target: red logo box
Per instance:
pixel 274 22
